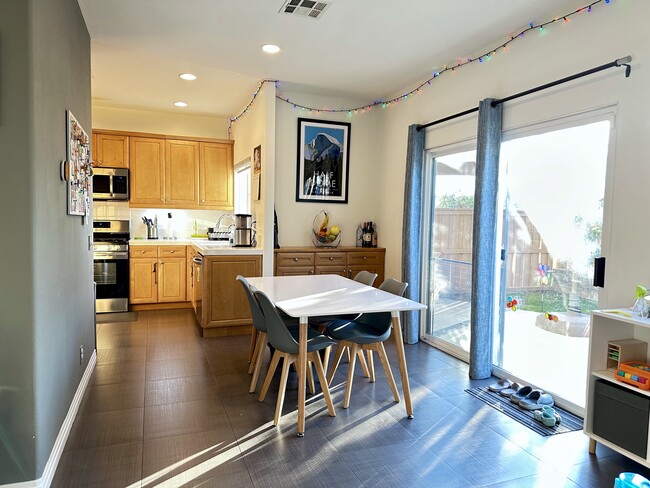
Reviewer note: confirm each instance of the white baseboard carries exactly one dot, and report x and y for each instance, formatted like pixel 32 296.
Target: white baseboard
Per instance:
pixel 53 461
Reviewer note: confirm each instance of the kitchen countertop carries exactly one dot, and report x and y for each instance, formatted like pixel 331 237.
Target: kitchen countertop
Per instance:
pixel 204 246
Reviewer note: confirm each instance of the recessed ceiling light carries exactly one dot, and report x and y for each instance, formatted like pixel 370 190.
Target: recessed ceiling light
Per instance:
pixel 270 48
pixel 187 76
pixel 180 104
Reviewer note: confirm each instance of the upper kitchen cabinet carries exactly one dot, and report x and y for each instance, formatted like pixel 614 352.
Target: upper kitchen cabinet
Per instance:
pixel 216 176
pixel 110 150
pixel 147 156
pixel 181 173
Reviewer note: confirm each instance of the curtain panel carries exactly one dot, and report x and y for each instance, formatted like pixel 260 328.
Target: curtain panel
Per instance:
pixel 411 252
pixel 484 243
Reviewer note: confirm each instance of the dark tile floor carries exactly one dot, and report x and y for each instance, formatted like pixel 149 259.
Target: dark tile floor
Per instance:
pixel 167 408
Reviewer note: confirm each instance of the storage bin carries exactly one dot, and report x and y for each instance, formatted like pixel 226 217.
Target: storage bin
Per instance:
pixel 621 417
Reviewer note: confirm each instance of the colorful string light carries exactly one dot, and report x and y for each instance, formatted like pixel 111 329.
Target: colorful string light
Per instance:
pixel 487 56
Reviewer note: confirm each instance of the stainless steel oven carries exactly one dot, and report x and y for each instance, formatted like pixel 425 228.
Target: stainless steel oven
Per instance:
pixel 111 265
pixel 110 184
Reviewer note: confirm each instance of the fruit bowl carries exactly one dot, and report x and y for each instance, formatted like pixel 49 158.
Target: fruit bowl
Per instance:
pixel 321 234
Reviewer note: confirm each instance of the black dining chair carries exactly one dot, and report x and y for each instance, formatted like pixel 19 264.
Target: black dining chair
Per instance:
pixel 285 342
pixel 366 332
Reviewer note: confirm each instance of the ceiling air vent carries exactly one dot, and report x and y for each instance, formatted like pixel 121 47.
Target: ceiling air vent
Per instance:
pixel 304 8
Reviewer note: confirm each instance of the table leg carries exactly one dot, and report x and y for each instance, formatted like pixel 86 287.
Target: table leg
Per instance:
pixel 302 374
pixel 401 358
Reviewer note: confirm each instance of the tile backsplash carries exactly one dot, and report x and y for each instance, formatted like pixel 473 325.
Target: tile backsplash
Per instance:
pixel 180 225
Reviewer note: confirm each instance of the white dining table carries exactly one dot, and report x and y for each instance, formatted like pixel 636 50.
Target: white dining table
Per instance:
pixel 321 295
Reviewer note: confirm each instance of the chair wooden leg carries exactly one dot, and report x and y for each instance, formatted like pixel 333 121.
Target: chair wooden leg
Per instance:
pixel 389 374
pixel 348 388
pixel 335 363
pixel 258 362
pixel 256 349
pixel 269 375
pixel 371 365
pixel 283 387
pixel 253 344
pixel 310 378
pixel 326 357
pixel 362 361
pixel 320 371
pixel 347 352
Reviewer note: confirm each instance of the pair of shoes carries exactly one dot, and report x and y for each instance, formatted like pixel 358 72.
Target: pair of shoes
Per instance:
pixel 548 416
pixel 536 399
pixel 500 385
pixel 508 392
pixel 520 394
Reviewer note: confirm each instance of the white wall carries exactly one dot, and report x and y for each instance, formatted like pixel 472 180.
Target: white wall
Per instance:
pixel 174 123
pixel 256 128
pixel 607 33
pixel 295 218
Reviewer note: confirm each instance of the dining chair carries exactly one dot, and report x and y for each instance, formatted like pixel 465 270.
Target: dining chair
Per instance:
pixel 285 342
pixel 259 333
pixel 366 332
pixel 321 323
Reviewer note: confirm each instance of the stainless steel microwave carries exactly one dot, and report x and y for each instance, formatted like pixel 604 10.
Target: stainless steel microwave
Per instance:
pixel 110 184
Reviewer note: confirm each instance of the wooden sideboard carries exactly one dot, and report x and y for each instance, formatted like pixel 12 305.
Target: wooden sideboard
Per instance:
pixel 344 261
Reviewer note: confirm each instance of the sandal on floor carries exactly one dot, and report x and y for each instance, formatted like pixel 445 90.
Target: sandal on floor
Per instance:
pixel 502 384
pixel 535 400
pixel 507 392
pixel 521 394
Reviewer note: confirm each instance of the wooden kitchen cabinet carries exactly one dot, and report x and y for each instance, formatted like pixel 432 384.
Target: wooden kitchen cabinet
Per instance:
pixel 157 274
pixel 181 173
pixel 110 150
pixel 147 175
pixel 224 304
pixel 216 177
pixel 344 261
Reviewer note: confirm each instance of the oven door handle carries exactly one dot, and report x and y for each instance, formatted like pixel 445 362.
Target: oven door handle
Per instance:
pixel 110 255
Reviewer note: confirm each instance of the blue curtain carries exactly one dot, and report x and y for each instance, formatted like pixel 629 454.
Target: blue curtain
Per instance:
pixel 484 243
pixel 411 229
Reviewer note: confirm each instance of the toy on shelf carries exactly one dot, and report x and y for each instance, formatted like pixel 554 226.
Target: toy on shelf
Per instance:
pixel 634 373
pixel 625 350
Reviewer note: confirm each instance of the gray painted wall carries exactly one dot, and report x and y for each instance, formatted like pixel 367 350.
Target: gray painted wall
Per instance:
pixel 46 281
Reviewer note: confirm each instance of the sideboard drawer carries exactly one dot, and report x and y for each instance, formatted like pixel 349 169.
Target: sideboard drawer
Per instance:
pixel 365 258
pixel 330 259
pixel 294 259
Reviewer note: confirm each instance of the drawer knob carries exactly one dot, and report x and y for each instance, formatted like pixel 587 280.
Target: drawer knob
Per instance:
pixel 365 257
pixel 331 258
pixel 172 252
pixel 142 252
pixel 295 259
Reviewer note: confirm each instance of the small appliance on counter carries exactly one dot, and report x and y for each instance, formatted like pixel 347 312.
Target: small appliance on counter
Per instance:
pixel 244 234
pixel 152 227
pixel 221 232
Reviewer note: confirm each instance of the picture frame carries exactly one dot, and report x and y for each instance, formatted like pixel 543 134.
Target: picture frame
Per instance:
pixel 323 161
pixel 257 159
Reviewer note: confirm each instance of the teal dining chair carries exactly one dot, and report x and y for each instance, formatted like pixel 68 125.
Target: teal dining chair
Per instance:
pixel 366 332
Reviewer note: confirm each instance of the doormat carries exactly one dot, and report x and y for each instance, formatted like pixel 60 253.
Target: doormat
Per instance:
pixel 569 423
pixel 112 317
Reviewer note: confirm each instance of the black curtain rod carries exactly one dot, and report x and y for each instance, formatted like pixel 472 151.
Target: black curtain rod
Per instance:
pixel 614 64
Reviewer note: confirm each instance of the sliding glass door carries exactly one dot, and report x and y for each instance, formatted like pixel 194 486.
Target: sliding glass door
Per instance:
pixel 448 282
pixel 552 188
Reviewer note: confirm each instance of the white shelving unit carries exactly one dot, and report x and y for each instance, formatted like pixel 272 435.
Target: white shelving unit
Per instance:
pixel 606 326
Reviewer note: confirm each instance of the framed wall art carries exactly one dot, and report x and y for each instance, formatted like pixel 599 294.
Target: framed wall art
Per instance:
pixel 323 161
pixel 76 170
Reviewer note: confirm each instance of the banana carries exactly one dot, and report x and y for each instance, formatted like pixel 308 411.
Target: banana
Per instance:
pixel 326 220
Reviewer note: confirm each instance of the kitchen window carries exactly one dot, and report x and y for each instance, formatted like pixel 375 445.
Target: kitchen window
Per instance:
pixel 243 187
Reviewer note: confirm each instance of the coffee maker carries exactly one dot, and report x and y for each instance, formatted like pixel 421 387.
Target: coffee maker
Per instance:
pixel 244 234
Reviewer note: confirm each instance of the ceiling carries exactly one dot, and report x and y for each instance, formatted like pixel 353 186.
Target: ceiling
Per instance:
pixel 357 49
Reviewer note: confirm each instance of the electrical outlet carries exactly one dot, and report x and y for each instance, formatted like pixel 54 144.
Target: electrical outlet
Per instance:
pixel 81 354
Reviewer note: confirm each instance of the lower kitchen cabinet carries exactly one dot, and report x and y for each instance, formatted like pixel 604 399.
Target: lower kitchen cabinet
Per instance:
pixel 224 305
pixel 157 274
pixel 344 261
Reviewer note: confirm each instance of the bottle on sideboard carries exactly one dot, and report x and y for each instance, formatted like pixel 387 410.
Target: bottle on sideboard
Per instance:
pixel 359 240
pixel 374 236
pixel 367 235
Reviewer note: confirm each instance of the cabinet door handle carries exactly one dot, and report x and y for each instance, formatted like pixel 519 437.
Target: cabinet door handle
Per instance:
pixel 155 273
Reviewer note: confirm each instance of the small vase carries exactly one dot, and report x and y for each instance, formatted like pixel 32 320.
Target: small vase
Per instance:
pixel 640 308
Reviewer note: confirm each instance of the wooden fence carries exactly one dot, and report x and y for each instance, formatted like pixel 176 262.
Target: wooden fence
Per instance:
pixel 526 248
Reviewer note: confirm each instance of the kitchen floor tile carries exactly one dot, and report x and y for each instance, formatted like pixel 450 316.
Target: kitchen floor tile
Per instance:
pixel 177 368
pixel 184 418
pixel 118 396
pixel 106 429
pixel 174 390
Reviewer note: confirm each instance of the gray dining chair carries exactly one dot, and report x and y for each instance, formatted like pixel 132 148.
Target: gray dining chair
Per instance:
pixel 285 342
pixel 366 332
